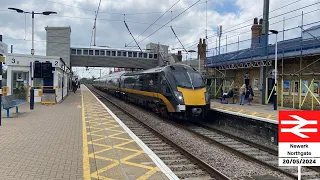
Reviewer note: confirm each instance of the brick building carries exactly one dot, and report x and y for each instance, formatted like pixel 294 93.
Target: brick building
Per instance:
pixel 298 69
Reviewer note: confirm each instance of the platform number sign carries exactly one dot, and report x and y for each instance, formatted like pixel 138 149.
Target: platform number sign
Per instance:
pixel 299 138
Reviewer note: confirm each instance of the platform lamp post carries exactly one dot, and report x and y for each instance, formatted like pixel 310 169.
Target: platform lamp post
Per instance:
pixel 32 50
pixel 275 102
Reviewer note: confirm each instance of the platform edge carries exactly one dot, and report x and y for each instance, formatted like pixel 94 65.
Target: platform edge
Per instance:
pixel 163 167
pixel 246 116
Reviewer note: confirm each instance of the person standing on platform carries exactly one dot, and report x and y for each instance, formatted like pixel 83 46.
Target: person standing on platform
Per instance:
pixel 242 93
pixel 74 86
pixel 250 97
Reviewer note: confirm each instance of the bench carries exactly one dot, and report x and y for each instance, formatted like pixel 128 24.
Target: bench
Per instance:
pixel 9 102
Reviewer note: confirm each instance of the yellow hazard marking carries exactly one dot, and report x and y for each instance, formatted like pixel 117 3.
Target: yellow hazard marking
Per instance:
pixel 269 116
pixel 108 137
pixel 254 113
pixel 86 166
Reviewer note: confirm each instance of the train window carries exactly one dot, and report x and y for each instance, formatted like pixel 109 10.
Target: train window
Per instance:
pixel 145 55
pixel 108 53
pixel 150 56
pixel 79 51
pixel 73 51
pixel 129 54
pixel 85 52
pixel 134 54
pixel 90 52
pixel 96 52
pixel 102 52
pixel 124 54
pixel 155 56
pixel 118 53
pixel 113 53
pixel 140 55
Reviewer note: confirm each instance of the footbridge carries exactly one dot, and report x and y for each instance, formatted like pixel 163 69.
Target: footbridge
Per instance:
pixel 103 57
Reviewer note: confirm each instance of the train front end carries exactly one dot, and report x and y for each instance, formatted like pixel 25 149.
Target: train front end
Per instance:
pixel 190 92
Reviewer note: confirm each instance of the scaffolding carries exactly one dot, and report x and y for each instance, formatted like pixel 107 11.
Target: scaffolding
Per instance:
pixel 293 87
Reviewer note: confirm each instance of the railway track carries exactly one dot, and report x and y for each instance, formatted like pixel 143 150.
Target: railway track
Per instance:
pixel 183 163
pixel 248 150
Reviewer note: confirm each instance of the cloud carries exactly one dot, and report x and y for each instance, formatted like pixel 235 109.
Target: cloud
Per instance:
pixel 111 31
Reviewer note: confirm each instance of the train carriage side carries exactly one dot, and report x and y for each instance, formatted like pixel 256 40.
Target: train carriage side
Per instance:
pixel 175 90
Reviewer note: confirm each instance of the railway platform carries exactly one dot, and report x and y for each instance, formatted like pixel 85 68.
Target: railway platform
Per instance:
pixel 111 150
pixel 79 138
pixel 260 112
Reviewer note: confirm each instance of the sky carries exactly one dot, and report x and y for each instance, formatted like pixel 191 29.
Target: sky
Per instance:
pixel 236 17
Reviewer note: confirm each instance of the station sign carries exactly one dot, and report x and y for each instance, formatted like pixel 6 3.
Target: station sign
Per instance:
pixel 299 138
pixel 3 49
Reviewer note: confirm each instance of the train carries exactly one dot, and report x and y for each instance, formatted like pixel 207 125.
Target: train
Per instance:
pixel 176 90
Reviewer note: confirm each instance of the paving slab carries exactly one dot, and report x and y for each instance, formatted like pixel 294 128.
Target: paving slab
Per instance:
pixel 44 143
pixel 113 151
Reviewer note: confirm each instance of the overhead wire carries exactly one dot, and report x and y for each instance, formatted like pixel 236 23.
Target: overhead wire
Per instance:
pixel 157 20
pixel 114 13
pixel 214 35
pixel 131 33
pixel 169 21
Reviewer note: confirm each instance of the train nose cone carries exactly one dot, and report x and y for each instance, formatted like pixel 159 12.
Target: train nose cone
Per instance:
pixel 196 110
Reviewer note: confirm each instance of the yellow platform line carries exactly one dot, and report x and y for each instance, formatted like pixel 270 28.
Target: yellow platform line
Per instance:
pixel 149 174
pixel 108 123
pixel 86 165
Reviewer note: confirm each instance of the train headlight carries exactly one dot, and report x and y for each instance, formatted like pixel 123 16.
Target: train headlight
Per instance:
pixel 179 96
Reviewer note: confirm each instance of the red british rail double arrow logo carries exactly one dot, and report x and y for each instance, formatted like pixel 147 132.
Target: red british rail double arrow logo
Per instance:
pixel 299 126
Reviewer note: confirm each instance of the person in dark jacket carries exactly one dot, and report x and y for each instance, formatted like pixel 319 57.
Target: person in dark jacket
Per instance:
pixel 74 86
pixel 250 97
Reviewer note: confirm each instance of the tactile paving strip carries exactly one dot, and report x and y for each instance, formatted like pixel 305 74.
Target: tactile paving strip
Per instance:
pixel 245 112
pixel 112 153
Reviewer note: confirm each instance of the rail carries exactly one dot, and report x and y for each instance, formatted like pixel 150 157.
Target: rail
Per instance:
pixel 211 170
pixel 250 143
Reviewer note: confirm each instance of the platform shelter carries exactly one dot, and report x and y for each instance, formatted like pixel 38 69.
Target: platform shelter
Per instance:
pixel 57 78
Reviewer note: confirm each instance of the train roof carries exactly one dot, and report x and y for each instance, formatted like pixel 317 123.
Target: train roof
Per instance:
pixel 159 69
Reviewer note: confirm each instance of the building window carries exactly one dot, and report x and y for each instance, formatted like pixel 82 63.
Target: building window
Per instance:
pixel 155 56
pixel 305 86
pixel 129 54
pixel 140 55
pixel 79 51
pixel 73 51
pixel 113 53
pixel 286 87
pixel 124 54
pixel 255 84
pixel 96 52
pixel 108 53
pixel 102 52
pixel 90 52
pixel 134 54
pixel 315 88
pixel 150 56
pixel 145 55
pixel 85 52
pixel 118 53
pixel 295 87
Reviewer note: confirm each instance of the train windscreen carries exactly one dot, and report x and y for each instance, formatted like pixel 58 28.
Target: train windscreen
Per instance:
pixel 188 80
